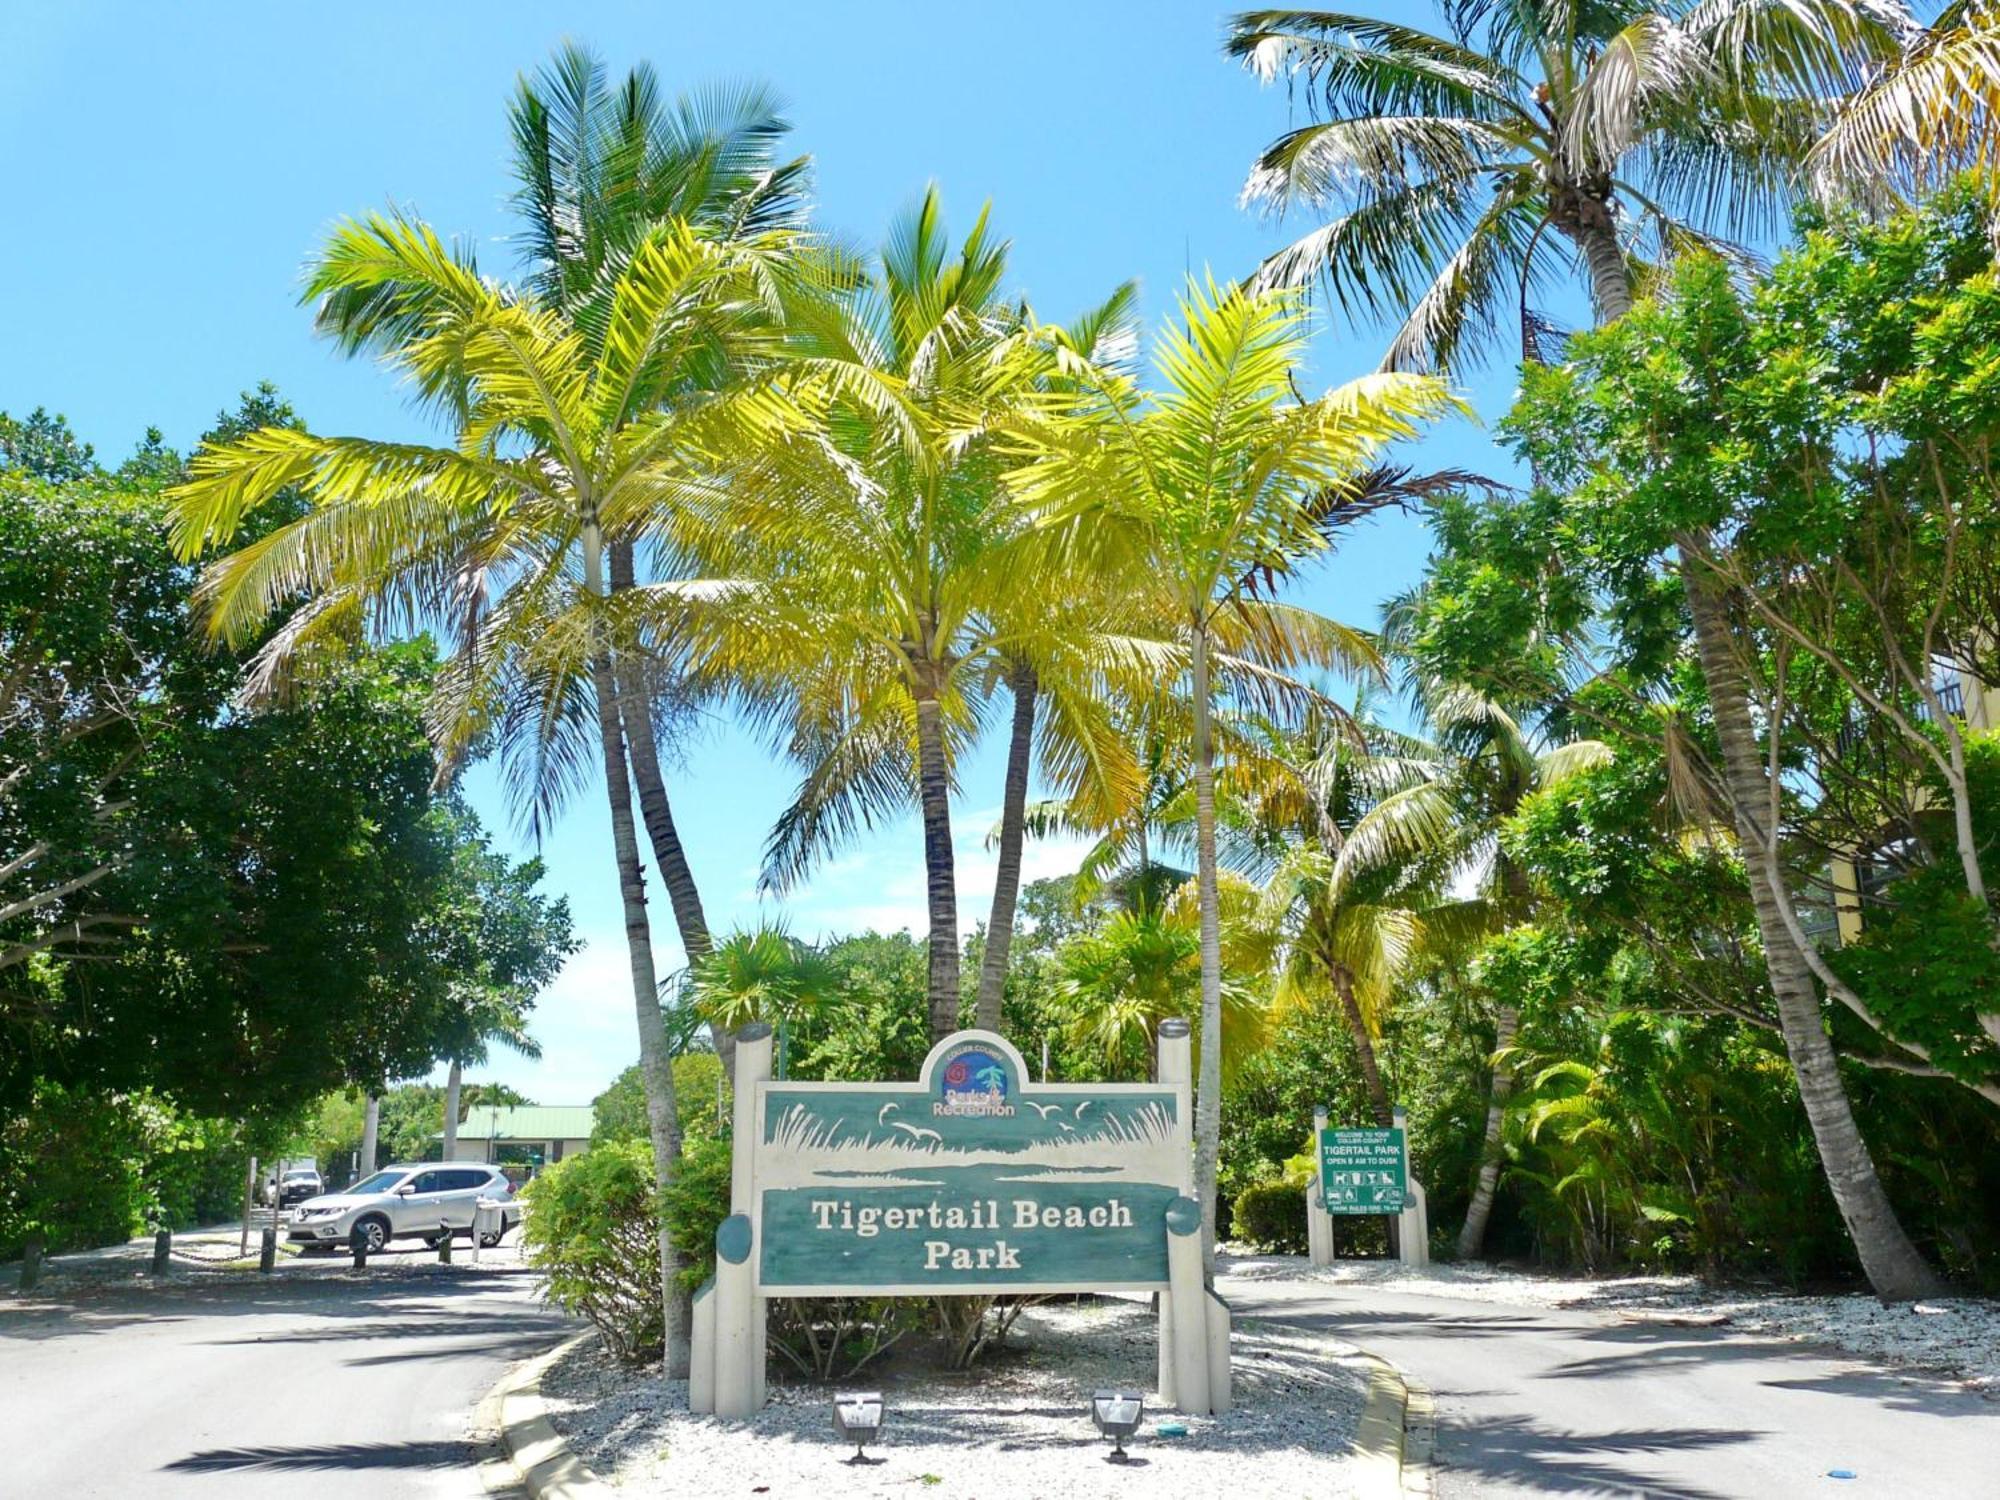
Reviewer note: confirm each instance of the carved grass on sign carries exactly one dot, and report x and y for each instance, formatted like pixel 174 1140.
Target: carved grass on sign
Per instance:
pixel 971 1180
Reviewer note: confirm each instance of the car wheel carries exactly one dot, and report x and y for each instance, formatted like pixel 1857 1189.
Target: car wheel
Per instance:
pixel 492 1241
pixel 374 1234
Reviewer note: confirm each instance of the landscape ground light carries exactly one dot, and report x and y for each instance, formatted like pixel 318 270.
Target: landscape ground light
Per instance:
pixel 857 1417
pixel 1117 1415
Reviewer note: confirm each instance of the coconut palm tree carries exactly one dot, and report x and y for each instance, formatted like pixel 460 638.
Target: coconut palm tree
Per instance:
pixel 1196 495
pixel 1637 133
pixel 597 169
pixel 562 435
pixel 1348 927
pixel 1924 116
pixel 1633 131
pixel 503 1023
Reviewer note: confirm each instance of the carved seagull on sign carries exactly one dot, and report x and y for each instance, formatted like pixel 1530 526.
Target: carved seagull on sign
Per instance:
pixel 1083 1106
pixel 1060 1125
pixel 916 1132
pixel 1044 1110
pixel 883 1113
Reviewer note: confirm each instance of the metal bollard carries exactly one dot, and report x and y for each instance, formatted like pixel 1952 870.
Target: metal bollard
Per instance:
pixel 31 1263
pixel 358 1242
pixel 444 1244
pixel 163 1248
pixel 267 1251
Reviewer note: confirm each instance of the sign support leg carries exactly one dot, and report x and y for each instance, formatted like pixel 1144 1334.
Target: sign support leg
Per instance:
pixel 1319 1223
pixel 1413 1224
pixel 753 1066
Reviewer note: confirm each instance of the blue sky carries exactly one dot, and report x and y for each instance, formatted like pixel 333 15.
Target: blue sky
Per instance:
pixel 171 166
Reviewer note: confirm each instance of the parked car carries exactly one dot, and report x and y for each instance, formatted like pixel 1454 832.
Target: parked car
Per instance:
pixel 425 1200
pixel 298 1185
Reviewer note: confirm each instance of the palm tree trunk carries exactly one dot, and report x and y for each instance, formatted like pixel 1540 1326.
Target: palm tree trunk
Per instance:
pixel 1364 1049
pixel 1208 1084
pixel 1893 1267
pixel 655 1068
pixel 1472 1234
pixel 1596 237
pixel 371 1118
pixel 940 879
pixel 453 1082
pixel 636 714
pixel 1013 827
pixel 636 717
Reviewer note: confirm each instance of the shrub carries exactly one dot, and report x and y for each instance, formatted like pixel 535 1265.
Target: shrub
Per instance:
pixel 1272 1216
pixel 592 1230
pixel 697 1204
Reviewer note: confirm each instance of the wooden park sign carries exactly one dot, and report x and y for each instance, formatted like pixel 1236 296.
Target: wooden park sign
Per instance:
pixel 970 1181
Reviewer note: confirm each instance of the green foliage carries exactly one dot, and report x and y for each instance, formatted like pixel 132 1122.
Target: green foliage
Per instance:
pixel 697 1203
pixel 1271 1216
pixel 592 1230
pixel 44 447
pixel 619 1113
pixel 80 1169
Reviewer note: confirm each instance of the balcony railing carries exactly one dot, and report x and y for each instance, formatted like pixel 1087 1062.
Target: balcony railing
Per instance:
pixel 1950 695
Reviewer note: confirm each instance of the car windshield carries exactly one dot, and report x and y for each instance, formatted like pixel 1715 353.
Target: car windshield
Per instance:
pixel 302 1177
pixel 381 1182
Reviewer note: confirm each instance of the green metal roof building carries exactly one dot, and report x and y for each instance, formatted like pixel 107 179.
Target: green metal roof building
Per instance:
pixel 532 1135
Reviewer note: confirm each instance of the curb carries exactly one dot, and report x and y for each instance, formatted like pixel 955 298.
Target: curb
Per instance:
pixel 545 1466
pixel 1396 1435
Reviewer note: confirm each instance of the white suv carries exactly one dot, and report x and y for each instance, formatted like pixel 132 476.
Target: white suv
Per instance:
pixel 426 1201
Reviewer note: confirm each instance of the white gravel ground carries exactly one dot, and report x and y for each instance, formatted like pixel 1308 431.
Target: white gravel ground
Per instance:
pixel 1960 1335
pixel 1017 1427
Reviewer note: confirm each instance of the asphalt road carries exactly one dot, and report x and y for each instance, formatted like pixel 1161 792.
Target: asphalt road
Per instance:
pixel 1536 1402
pixel 263 1388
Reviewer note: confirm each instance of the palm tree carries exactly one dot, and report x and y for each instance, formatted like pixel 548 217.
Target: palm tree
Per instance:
pixel 597 169
pixel 763 974
pixel 1196 495
pixel 1634 131
pixel 1349 926
pixel 507 1025
pixel 1117 980
pixel 886 588
pixel 564 434
pixel 1449 157
pixel 1924 116
pixel 1489 766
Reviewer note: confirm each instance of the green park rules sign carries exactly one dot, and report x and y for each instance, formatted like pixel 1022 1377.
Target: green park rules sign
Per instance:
pixel 1362 1171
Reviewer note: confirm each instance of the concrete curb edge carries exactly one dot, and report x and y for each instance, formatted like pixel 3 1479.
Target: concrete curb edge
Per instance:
pixel 546 1466
pixel 1396 1435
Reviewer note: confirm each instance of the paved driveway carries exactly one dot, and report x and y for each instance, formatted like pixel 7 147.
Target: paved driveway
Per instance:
pixel 306 1384
pixel 1538 1402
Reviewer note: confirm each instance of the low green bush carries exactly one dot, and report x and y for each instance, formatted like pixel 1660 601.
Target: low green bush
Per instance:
pixel 1272 1216
pixel 592 1230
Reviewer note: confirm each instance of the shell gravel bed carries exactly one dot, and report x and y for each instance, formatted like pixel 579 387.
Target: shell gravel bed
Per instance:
pixel 1957 1335
pixel 1018 1426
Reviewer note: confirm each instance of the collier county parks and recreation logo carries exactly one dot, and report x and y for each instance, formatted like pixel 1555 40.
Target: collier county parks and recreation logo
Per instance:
pixel 972 1082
